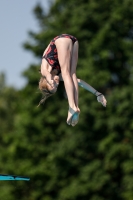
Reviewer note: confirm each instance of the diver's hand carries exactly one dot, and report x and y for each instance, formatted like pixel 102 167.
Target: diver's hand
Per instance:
pixel 51 82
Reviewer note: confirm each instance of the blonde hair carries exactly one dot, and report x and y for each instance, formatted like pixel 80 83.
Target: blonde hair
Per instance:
pixel 44 90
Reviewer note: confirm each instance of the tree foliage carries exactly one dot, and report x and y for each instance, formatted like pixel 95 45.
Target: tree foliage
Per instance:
pixel 94 159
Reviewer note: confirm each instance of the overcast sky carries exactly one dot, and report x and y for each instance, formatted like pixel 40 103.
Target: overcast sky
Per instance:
pixel 16 19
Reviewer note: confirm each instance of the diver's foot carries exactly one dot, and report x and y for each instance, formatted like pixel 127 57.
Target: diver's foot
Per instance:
pixel 73 116
pixel 71 112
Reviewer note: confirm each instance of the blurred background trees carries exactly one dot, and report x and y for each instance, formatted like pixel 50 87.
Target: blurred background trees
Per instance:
pixel 94 159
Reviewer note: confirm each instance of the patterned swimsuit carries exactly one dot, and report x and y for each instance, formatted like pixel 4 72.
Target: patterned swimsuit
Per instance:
pixel 51 55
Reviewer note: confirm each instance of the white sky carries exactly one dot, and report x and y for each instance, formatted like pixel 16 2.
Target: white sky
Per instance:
pixel 16 19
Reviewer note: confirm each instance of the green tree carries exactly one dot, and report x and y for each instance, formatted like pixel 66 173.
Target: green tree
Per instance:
pixel 9 102
pixel 94 159
pixel 8 106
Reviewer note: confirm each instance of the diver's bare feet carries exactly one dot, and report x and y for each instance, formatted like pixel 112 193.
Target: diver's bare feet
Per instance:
pixel 75 117
pixel 71 112
pixel 102 100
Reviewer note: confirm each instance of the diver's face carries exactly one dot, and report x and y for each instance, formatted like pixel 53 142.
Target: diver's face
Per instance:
pixel 55 83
